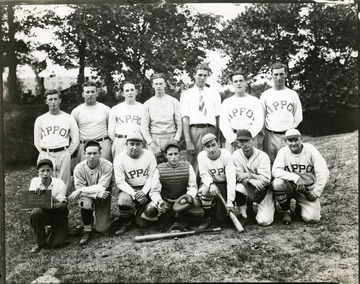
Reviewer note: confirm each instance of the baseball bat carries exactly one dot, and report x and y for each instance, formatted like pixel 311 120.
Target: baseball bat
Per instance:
pixel 233 218
pixel 161 236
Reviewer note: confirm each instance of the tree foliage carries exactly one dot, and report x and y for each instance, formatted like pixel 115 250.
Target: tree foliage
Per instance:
pixel 318 39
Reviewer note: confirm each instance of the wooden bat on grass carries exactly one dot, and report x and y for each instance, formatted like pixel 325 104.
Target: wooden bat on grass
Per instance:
pixel 233 218
pixel 161 236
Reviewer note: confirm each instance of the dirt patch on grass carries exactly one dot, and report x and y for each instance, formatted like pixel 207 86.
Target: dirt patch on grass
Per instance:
pixel 301 252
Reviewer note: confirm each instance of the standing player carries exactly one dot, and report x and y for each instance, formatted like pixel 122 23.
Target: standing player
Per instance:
pixel 161 122
pixel 124 118
pixel 56 136
pixel 92 119
pixel 57 216
pixel 133 170
pixel 283 111
pixel 217 173
pixel 93 180
pixel 299 172
pixel 200 109
pixel 173 181
pixel 253 179
pixel 240 111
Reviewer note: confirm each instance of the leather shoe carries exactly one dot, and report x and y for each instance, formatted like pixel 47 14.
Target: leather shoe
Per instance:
pixel 205 224
pixel 123 229
pixel 286 218
pixel 85 239
pixel 37 248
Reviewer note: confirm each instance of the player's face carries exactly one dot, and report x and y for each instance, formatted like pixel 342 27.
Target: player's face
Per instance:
pixel 92 154
pixel 134 148
pixel 159 86
pixel 239 84
pixel 53 102
pixel 130 92
pixel 294 144
pixel 212 149
pixel 45 172
pixel 201 77
pixel 173 156
pixel 279 77
pixel 246 145
pixel 90 94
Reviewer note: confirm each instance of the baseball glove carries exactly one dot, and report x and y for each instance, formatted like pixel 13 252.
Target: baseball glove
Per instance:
pixel 184 202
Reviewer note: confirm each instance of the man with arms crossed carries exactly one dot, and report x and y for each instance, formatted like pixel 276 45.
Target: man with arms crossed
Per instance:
pixel 92 119
pixel 240 111
pixel 133 171
pixel 93 181
pixel 253 179
pixel 200 109
pixel 217 173
pixel 56 136
pixel 299 172
pixel 282 109
pixel 124 118
pixel 160 123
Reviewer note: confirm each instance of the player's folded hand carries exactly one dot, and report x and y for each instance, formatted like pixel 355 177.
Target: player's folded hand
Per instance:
pixel 230 209
pixel 161 206
pixel 214 191
pixel 311 196
pixel 73 195
pixel 190 148
pixel 103 194
pixel 258 184
pixel 39 191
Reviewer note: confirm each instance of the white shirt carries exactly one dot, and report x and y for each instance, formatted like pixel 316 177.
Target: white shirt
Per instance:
pixel 57 187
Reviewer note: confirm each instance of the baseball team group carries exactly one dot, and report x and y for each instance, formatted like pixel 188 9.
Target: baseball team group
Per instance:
pixel 132 152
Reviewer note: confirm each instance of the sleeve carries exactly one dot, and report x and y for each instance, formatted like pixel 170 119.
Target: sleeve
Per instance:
pixel 321 172
pixel 224 124
pixel 258 123
pixel 37 134
pixel 33 186
pixel 155 191
pixel 279 166
pixel 62 194
pixel 205 176
pixel 184 108
pixel 192 186
pixel 177 119
pixel 230 179
pixel 74 134
pixel 145 123
pixel 119 173
pixel 147 186
pixel 237 163
pixel 298 115
pixel 112 124
pixel 263 103
pixel 263 171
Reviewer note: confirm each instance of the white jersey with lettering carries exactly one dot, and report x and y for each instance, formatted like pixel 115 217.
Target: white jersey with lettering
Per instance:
pixel 131 172
pixel 282 109
pixel 308 164
pixel 241 113
pixel 54 131
pixel 92 120
pixel 125 118
pixel 220 170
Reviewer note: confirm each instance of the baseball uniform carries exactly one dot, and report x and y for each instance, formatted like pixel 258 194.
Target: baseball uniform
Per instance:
pixel 56 137
pixel 308 165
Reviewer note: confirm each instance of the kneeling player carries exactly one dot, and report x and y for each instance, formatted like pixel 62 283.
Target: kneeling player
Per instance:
pixel 299 172
pixel 253 179
pixel 174 182
pixel 133 170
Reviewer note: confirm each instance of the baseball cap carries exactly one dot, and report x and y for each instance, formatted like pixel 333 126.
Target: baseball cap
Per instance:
pixel 244 134
pixel 44 162
pixel 292 133
pixel 172 144
pixel 91 143
pixel 135 136
pixel 207 137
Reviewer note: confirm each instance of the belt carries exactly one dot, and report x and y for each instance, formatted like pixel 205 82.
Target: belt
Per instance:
pixel 202 125
pixel 55 150
pixel 120 136
pixel 276 132
pixel 97 140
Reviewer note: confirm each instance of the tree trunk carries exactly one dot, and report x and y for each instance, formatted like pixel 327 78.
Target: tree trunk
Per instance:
pixel 12 80
pixel 82 50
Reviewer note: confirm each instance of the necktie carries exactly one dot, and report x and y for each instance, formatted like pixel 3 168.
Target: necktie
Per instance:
pixel 202 107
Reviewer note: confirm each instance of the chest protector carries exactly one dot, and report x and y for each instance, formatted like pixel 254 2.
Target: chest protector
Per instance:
pixel 174 181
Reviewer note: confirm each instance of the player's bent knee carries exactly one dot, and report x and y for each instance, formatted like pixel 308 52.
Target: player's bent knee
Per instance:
pixel 311 218
pixel 278 184
pixel 151 211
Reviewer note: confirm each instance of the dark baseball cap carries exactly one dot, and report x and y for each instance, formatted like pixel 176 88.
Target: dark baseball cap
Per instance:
pixel 44 162
pixel 135 136
pixel 172 144
pixel 243 135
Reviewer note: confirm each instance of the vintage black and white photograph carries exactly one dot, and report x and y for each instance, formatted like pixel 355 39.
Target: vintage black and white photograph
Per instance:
pixel 155 141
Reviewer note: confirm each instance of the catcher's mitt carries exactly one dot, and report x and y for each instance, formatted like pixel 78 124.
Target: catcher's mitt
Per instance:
pixel 184 202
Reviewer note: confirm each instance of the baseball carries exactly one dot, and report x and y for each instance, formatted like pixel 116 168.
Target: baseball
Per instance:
pixel 183 201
